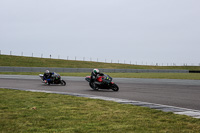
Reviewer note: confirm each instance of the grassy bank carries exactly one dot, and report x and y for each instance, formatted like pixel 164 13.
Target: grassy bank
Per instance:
pixel 7 60
pixel 193 76
pixel 19 61
pixel 22 111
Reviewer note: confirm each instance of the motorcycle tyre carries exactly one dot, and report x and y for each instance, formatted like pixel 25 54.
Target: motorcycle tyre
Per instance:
pixel 93 86
pixel 63 83
pixel 115 87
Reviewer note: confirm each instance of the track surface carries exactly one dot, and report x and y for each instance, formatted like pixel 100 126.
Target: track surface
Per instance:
pixel 179 93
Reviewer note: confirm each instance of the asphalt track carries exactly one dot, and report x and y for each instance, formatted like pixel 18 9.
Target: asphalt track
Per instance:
pixel 179 93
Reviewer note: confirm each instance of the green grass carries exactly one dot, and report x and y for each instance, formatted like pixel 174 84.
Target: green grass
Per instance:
pixel 19 61
pixel 193 76
pixel 22 111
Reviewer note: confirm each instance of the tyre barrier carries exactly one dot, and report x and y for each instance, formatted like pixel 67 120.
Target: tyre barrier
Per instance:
pixel 194 71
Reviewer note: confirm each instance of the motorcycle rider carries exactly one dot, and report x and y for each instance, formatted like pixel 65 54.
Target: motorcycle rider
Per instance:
pixel 48 76
pixel 95 73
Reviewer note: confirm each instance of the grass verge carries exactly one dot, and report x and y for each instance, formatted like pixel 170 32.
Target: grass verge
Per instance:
pixel 19 61
pixel 22 111
pixel 193 76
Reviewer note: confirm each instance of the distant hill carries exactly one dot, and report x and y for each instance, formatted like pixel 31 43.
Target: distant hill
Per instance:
pixel 21 61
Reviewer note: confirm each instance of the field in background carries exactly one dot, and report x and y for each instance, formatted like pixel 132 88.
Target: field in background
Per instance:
pixel 22 111
pixel 19 61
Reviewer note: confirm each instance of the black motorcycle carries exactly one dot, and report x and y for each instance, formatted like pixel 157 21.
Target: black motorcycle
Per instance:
pixel 102 82
pixel 55 79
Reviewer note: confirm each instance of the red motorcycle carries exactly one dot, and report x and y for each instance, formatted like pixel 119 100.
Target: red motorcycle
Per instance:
pixel 102 82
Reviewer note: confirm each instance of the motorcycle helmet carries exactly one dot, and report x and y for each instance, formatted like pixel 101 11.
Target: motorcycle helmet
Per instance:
pixel 47 72
pixel 95 71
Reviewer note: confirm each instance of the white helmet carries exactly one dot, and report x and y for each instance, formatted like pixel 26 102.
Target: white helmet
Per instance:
pixel 95 71
pixel 47 72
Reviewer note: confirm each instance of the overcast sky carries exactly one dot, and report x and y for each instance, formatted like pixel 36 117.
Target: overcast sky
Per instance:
pixel 142 31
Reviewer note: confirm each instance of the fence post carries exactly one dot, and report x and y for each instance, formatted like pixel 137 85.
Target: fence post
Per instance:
pixel 10 52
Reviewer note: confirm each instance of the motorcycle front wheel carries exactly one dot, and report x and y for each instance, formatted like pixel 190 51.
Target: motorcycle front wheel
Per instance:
pixel 115 87
pixel 63 83
pixel 93 86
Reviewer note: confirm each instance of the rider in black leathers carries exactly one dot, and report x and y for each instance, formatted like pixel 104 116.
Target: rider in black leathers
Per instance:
pixel 48 76
pixel 95 73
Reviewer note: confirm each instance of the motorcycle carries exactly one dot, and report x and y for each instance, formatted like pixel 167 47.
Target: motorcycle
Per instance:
pixel 56 79
pixel 102 82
